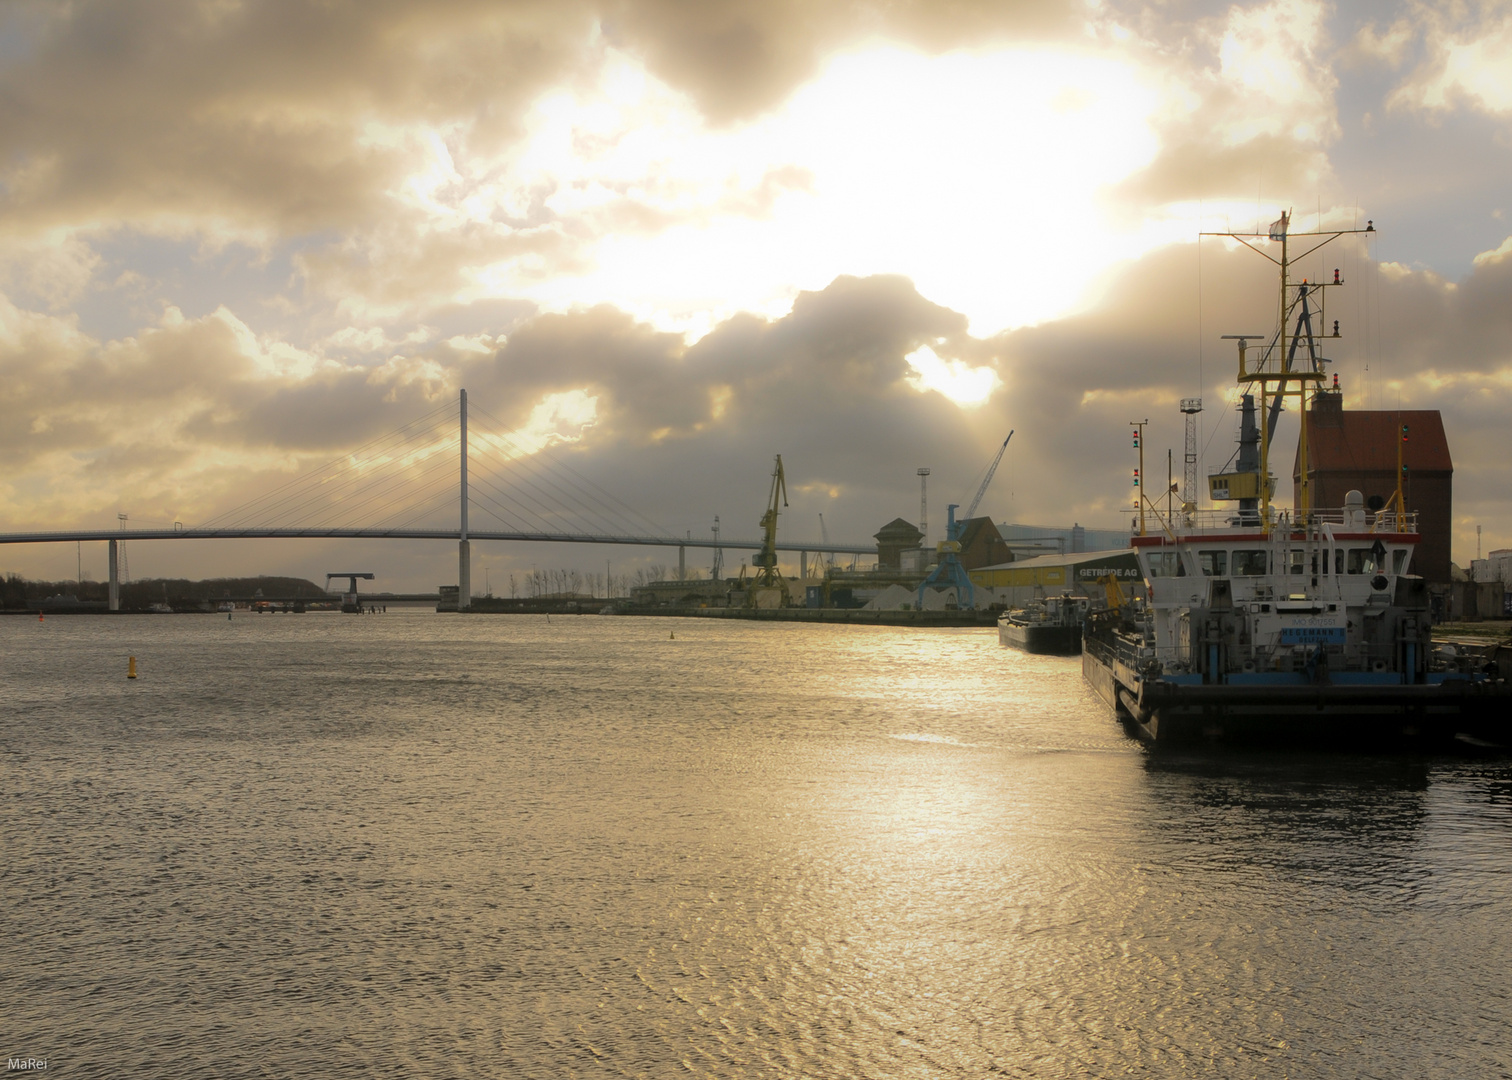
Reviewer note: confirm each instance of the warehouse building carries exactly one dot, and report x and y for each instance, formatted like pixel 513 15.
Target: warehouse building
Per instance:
pixel 1015 584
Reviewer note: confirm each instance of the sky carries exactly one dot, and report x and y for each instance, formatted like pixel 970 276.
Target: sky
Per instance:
pixel 661 241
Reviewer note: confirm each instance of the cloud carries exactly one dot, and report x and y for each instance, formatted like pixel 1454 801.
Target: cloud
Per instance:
pixel 402 157
pixel 257 116
pixel 1388 46
pixel 177 416
pixel 740 58
pixel 292 117
pixel 1467 61
pixel 1249 100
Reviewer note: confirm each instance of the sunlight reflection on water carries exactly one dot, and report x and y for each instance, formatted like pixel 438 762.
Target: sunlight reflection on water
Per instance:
pixel 303 844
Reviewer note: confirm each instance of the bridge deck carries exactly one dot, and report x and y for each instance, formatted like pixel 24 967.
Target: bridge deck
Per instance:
pixel 67 536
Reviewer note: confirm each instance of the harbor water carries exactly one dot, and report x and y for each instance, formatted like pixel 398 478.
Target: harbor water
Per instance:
pixel 411 844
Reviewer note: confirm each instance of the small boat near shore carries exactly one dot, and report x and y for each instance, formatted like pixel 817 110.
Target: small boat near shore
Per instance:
pixel 1050 626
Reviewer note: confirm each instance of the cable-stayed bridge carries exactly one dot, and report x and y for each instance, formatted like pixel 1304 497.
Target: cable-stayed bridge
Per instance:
pixel 426 481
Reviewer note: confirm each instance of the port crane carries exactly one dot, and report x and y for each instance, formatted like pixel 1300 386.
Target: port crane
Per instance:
pixel 948 570
pixel 767 574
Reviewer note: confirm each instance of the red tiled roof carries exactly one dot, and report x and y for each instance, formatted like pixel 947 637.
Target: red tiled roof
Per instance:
pixel 1366 442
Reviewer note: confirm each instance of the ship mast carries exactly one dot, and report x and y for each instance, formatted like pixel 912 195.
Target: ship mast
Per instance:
pixel 1272 368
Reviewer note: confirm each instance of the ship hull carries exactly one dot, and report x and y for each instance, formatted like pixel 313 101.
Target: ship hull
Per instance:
pixel 1378 714
pixel 1047 639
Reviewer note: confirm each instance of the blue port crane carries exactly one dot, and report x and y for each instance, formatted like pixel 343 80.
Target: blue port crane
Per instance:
pixel 948 570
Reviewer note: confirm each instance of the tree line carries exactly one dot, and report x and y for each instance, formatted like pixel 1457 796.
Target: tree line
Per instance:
pixel 17 591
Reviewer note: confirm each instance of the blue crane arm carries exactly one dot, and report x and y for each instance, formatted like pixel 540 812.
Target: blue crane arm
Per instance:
pixel 991 469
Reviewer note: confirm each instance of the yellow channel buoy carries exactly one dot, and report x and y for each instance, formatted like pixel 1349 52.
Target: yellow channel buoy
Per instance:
pixel 131 667
pixel 672 636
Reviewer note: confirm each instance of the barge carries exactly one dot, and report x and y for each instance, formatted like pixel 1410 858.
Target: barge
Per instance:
pixel 1051 626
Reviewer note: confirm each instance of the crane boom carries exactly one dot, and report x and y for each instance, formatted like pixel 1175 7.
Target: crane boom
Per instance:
pixel 991 469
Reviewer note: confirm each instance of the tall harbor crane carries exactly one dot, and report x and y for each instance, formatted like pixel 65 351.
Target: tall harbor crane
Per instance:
pixel 987 479
pixel 767 574
pixel 948 570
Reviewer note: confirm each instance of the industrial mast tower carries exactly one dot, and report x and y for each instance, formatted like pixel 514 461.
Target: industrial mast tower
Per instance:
pixel 1190 407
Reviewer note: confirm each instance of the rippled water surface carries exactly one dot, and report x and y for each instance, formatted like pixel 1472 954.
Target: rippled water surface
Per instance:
pixel 419 844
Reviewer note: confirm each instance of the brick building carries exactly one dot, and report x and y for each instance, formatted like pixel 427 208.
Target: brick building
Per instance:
pixel 982 544
pixel 894 538
pixel 1357 450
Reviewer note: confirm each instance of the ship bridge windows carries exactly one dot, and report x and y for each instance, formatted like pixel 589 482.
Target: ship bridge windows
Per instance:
pixel 1361 561
pixel 1296 561
pixel 1251 562
pixel 1213 563
pixel 1399 561
pixel 1165 564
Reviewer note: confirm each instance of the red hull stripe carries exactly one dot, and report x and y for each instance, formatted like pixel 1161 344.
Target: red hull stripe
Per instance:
pixel 1163 541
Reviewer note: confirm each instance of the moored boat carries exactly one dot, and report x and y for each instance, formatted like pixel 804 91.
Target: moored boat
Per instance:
pixel 1309 632
pixel 1289 626
pixel 1052 625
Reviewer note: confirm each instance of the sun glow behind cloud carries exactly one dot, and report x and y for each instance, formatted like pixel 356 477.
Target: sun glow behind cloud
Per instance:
pixel 977 175
pixel 965 385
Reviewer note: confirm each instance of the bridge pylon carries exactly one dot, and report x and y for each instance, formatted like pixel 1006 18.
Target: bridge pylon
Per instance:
pixel 464 548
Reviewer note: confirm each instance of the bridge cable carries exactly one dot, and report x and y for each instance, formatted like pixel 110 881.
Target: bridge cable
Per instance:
pixel 321 483
pixel 601 503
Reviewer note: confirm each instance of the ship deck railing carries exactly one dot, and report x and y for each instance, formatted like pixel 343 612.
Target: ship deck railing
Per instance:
pixel 1186 522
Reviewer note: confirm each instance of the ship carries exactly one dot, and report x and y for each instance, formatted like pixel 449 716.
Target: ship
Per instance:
pixel 1285 626
pixel 1052 625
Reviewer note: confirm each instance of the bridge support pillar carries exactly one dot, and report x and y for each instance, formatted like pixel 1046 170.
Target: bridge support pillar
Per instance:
pixel 115 577
pixel 682 563
pixel 464 575
pixel 802 565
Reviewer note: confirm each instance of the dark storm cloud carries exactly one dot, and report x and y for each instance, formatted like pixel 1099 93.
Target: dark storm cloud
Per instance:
pixel 824 386
pixel 839 348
